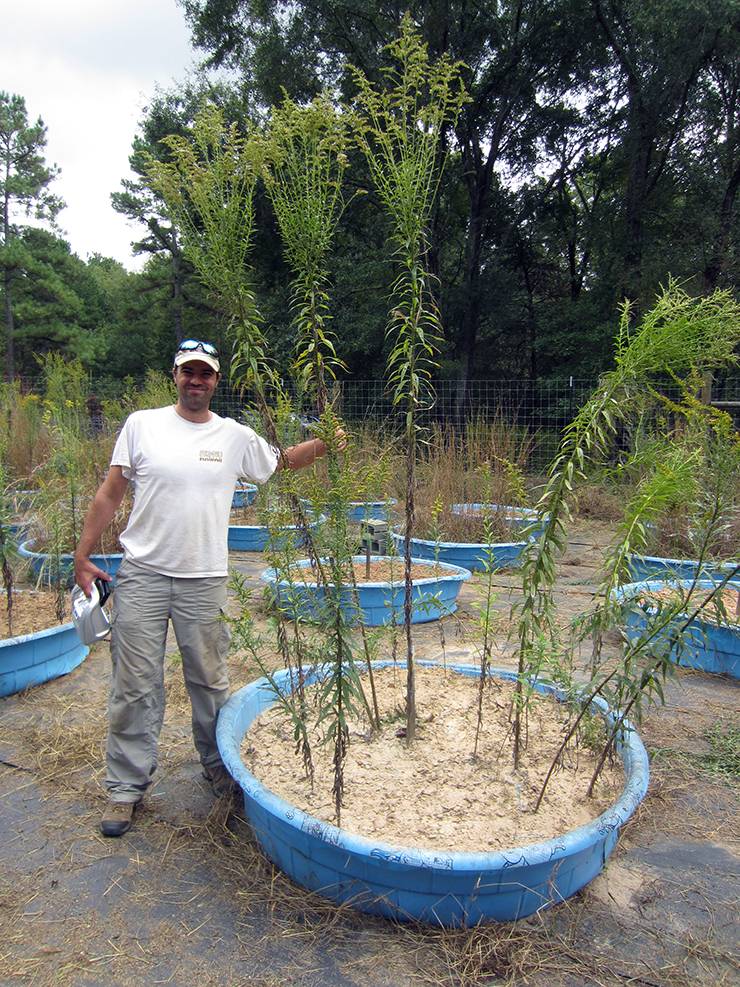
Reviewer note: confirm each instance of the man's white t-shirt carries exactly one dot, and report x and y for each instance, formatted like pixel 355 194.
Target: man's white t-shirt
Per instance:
pixel 183 476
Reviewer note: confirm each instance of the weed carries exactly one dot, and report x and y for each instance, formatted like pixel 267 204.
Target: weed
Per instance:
pixel 724 757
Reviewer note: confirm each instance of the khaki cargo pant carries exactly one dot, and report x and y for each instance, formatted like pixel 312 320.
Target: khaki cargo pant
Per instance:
pixel 143 604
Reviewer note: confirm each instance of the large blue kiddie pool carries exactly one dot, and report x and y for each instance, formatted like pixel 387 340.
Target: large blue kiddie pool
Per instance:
pixel 376 603
pixel 30 659
pixel 706 645
pixel 445 888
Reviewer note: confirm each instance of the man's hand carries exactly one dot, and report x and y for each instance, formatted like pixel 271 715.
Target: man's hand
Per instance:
pixel 86 571
pixel 340 439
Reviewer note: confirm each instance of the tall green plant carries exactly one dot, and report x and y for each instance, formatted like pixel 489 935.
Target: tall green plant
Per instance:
pixel 486 612
pixel 66 387
pixel 7 545
pixel 678 338
pixel 304 179
pixel 306 163
pixel 307 150
pixel 400 129
pixel 209 188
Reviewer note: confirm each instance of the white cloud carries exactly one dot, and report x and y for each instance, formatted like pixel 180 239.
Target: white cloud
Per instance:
pixel 88 69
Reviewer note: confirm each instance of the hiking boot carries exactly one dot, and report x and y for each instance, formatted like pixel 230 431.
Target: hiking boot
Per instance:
pixel 221 782
pixel 117 818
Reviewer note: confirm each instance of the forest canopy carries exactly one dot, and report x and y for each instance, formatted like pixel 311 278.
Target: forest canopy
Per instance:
pixel 597 156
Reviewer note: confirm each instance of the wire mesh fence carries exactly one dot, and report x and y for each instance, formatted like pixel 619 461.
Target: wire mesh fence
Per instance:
pixel 536 404
pixel 541 407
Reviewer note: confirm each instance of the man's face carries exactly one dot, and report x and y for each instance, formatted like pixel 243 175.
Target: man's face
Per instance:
pixel 195 382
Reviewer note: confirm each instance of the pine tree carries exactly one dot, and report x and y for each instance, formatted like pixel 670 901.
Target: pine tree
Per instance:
pixel 24 184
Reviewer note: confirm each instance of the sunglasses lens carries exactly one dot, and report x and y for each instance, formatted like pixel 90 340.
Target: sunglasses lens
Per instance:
pixel 192 345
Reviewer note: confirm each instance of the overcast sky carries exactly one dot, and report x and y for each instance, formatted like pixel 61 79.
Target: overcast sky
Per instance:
pixel 87 68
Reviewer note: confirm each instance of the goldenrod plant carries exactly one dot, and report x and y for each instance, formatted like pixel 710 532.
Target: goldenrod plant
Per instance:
pixel 306 160
pixel 400 125
pixel 209 187
pixel 21 415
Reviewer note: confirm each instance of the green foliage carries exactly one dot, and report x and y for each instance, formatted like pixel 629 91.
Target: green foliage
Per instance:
pixel 721 760
pixel 24 184
pixel 156 391
pixel 57 305
pixel 208 187
pixel 306 163
pixel 66 387
pixel 597 155
pixel 399 130
pixel 678 338
pixel 25 176
pixel 724 755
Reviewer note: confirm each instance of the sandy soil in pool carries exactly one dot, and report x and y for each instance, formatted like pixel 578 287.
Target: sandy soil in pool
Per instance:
pixel 435 793
pixel 33 610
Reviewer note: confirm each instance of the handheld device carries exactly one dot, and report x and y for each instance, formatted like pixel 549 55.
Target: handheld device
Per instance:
pixel 90 619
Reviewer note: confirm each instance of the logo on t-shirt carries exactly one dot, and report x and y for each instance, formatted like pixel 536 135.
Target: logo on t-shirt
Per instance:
pixel 211 455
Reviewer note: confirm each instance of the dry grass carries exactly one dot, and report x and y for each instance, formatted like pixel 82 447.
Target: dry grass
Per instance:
pixel 551 948
pixel 674 536
pixel 485 463
pixel 63 744
pixel 599 502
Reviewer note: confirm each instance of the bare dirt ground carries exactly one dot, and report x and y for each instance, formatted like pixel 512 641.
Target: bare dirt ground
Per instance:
pixel 186 897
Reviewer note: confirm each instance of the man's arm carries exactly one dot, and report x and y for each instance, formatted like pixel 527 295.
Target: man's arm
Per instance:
pixel 306 453
pixel 105 503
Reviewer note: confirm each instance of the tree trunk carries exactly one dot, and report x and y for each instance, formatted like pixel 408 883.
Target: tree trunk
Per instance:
pixel 721 247
pixel 177 294
pixel 471 312
pixel 9 329
pixel 531 331
pixel 640 144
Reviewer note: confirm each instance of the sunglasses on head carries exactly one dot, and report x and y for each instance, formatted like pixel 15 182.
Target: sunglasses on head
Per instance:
pixel 194 345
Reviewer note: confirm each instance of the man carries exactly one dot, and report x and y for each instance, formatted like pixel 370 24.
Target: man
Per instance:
pixel 183 462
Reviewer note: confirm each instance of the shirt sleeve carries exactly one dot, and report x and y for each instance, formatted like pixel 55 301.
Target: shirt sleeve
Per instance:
pixel 122 450
pixel 260 458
